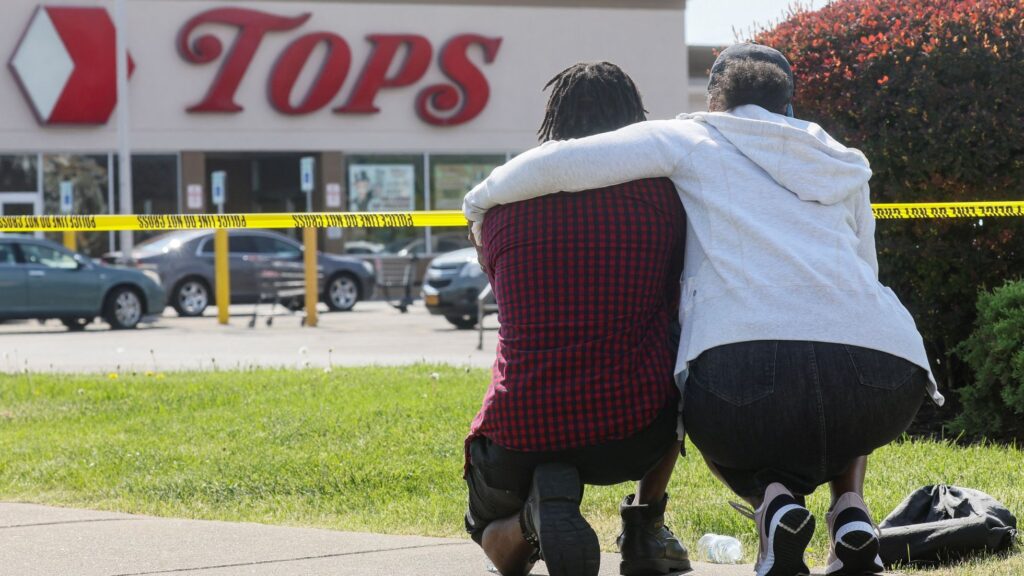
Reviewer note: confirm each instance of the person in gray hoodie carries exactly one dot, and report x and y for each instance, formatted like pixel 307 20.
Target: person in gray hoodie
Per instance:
pixel 795 362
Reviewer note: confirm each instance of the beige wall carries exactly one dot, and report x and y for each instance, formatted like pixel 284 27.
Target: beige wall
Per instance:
pixel 538 42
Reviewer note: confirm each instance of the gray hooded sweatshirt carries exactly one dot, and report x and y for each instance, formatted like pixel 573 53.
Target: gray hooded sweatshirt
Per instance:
pixel 780 238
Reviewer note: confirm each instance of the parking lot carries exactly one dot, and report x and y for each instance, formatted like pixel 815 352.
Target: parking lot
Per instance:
pixel 373 333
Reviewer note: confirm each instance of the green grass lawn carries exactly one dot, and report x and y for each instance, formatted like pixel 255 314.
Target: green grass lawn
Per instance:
pixel 364 449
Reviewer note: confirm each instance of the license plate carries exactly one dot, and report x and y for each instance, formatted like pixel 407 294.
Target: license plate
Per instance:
pixel 432 299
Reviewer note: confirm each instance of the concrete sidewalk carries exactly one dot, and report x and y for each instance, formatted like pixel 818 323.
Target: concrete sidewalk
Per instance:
pixel 46 541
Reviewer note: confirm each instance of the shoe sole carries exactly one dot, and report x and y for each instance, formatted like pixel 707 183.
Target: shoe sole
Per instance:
pixel 857 553
pixel 792 535
pixel 659 567
pixel 568 544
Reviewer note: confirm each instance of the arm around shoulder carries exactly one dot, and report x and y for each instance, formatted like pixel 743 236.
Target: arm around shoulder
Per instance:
pixel 642 150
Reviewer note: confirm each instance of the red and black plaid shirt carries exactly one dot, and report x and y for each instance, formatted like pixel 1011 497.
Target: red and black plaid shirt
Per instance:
pixel 587 285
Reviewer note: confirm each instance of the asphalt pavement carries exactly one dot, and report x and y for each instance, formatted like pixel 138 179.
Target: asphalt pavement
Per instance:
pixel 373 333
pixel 45 541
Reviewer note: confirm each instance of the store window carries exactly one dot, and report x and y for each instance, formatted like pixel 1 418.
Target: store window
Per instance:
pixel 90 181
pixel 19 173
pixel 154 187
pixel 389 183
pixel 155 184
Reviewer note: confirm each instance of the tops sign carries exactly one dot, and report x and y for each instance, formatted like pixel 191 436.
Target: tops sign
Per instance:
pixel 455 102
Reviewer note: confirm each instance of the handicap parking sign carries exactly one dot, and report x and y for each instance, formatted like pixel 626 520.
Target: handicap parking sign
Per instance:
pixel 67 197
pixel 218 187
pixel 306 169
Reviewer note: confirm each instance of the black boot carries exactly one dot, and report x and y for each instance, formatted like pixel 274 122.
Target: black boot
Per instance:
pixel 552 523
pixel 647 546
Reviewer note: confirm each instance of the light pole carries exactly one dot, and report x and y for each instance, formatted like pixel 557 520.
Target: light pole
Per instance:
pixel 124 163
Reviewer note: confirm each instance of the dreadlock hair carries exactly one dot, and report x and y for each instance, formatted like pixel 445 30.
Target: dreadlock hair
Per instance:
pixel 590 98
pixel 751 82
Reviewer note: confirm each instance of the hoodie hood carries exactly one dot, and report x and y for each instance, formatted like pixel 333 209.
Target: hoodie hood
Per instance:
pixel 800 156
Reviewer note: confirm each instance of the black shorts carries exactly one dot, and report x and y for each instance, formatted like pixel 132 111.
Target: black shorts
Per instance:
pixel 499 479
pixel 795 412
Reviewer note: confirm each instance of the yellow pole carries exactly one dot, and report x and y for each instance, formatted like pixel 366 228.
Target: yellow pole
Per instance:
pixel 71 240
pixel 221 277
pixel 312 292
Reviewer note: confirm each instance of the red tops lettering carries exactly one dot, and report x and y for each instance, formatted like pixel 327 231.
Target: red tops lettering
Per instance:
pixel 452 103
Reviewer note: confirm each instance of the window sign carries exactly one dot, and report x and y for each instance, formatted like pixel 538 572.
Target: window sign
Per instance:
pixel 333 199
pixel 194 196
pixel 382 187
pixel 451 182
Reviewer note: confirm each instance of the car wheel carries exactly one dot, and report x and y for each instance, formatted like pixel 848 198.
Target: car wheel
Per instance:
pixel 342 293
pixel 123 309
pixel 76 324
pixel 191 297
pixel 465 322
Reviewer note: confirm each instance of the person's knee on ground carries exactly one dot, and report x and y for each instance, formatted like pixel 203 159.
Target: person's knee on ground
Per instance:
pixel 507 549
pixel 548 526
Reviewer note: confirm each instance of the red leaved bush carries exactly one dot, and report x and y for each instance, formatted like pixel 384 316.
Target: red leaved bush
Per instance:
pixel 933 92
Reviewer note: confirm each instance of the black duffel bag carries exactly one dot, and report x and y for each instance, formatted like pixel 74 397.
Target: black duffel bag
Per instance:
pixel 943 523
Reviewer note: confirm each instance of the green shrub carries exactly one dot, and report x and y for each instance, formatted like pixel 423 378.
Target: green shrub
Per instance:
pixel 994 404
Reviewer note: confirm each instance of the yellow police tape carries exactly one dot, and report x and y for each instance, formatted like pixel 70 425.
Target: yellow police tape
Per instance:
pixel 439 218
pixel 107 222
pixel 948 210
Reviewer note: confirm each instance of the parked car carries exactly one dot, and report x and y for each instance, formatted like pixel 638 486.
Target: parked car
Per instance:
pixel 184 260
pixel 363 247
pixel 439 243
pixel 451 286
pixel 42 280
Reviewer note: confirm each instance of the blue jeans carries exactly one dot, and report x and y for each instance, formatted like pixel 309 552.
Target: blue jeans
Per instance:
pixel 796 412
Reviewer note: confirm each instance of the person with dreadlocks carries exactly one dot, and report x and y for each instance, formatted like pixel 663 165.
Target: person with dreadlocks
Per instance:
pixel 582 389
pixel 796 361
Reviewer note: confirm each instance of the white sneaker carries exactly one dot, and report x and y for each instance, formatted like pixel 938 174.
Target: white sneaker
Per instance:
pixel 854 539
pixel 786 528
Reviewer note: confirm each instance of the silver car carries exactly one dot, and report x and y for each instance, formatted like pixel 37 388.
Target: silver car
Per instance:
pixel 451 287
pixel 43 280
pixel 184 260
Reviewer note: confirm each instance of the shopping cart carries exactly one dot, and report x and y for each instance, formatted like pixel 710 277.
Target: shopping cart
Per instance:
pixel 281 283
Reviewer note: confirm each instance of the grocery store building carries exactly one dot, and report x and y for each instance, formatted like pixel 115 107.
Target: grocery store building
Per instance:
pixel 402 105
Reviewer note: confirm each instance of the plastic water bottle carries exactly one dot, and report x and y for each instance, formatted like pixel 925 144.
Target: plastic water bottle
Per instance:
pixel 719 549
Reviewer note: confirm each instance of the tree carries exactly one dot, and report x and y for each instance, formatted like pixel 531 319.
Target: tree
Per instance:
pixel 932 91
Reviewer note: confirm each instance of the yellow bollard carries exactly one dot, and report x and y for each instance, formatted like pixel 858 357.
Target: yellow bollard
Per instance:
pixel 221 276
pixel 71 240
pixel 309 258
